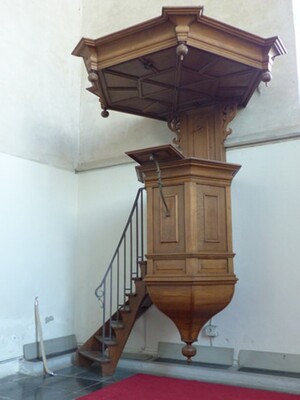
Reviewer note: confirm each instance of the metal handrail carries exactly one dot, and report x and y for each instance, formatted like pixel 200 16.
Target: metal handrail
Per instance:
pixel 117 282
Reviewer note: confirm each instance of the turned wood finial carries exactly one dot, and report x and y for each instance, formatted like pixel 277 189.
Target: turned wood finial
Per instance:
pixel 104 113
pixel 189 351
pixel 182 50
pixel 266 77
pixel 93 77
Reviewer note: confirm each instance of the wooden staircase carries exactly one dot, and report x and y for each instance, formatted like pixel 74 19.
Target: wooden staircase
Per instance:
pixel 122 294
pixel 113 336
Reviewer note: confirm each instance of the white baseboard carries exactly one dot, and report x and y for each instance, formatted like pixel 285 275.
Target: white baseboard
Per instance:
pixel 9 367
pixel 36 368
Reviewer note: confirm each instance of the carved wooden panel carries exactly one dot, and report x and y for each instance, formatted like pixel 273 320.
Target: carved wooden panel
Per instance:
pixel 168 231
pixel 212 267
pixel 169 267
pixel 169 225
pixel 202 132
pixel 211 218
pixel 197 137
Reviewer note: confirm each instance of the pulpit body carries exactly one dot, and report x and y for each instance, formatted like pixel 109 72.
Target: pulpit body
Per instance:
pixel 192 72
pixel 190 274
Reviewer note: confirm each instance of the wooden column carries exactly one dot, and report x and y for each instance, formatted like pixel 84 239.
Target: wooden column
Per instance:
pixel 201 132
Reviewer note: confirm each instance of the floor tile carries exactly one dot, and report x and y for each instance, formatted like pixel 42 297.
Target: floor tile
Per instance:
pixel 67 384
pixel 44 393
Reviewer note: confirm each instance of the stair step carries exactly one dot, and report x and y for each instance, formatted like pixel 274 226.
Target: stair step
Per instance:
pixel 117 324
pixel 121 324
pixel 131 294
pixel 107 340
pixel 94 355
pixel 124 307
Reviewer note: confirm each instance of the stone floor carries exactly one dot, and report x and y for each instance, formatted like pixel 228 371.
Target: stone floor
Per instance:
pixel 72 382
pixel 67 384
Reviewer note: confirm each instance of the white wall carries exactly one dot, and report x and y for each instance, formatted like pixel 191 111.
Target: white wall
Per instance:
pixel 39 121
pixel 38 210
pixel 40 80
pixel 296 11
pixel 266 231
pixel 105 199
pixel 274 110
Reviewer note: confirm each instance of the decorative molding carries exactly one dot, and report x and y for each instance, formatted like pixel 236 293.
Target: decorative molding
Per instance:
pixel 174 126
pixel 228 113
pixel 96 89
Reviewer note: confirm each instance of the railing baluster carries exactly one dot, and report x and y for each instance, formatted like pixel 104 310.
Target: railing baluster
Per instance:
pixel 137 239
pixel 118 287
pixel 131 256
pixel 125 268
pixel 110 304
pixel 103 319
pixel 142 227
pixel 129 273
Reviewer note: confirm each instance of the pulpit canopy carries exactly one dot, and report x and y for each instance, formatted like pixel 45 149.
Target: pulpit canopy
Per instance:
pixel 175 63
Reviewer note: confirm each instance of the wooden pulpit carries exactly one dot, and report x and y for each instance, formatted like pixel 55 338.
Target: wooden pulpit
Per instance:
pixel 192 72
pixel 190 274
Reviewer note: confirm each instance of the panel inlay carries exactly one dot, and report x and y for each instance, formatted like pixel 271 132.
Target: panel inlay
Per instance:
pixel 211 219
pixel 213 266
pixel 169 225
pixel 168 231
pixel 169 267
pixel 202 136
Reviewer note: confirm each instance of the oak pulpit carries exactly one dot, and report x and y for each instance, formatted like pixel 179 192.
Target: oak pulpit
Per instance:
pixel 193 72
pixel 190 274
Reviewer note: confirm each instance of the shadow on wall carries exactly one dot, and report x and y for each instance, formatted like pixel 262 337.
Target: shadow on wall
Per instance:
pixel 106 143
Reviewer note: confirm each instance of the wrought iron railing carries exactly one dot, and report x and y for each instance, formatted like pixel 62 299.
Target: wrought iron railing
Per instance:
pixel 118 281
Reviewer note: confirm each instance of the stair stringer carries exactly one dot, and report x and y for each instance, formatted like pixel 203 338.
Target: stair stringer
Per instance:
pixel 90 352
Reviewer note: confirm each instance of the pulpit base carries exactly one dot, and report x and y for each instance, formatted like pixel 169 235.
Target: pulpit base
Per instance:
pixel 190 302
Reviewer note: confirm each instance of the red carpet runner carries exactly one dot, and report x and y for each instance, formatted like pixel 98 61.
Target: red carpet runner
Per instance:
pixel 149 387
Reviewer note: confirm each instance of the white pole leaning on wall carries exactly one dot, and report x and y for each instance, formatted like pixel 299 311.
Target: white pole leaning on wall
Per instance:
pixel 40 337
